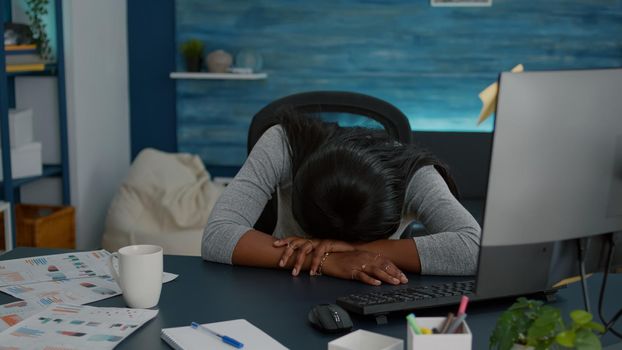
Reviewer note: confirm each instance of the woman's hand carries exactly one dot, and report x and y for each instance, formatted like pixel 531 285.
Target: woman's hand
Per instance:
pixel 367 267
pixel 305 246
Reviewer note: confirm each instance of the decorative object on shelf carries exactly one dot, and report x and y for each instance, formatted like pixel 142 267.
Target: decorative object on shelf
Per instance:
pixel 249 58
pixel 25 152
pixel 21 127
pixel 219 61
pixel 529 324
pixel 192 50
pixel 17 34
pixel 37 9
pixel 26 161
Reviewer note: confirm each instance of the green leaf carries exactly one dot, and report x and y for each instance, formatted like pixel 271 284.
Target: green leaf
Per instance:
pixel 541 328
pixel 581 316
pixel 524 303
pixel 566 338
pixel 595 326
pixel 586 340
pixel 505 333
pixel 550 313
pixel 546 323
pixel 545 344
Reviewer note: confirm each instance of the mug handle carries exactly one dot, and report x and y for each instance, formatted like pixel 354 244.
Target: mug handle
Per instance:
pixel 113 271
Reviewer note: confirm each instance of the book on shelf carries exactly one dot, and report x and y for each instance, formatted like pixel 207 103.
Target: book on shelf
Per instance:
pixel 25 62
pixel 18 48
pixel 16 68
pixel 31 58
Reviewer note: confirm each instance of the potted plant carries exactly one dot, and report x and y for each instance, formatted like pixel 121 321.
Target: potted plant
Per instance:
pixel 529 324
pixel 36 11
pixel 192 50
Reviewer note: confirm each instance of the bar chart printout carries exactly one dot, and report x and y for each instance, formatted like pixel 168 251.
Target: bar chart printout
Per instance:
pixel 66 326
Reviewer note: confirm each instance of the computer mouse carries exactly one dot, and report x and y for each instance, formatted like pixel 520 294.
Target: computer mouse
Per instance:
pixel 330 318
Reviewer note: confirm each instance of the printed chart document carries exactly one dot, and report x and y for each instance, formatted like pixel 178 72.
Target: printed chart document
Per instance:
pixel 54 267
pixel 187 338
pixel 72 278
pixel 37 296
pixel 14 313
pixel 69 327
pixel 74 291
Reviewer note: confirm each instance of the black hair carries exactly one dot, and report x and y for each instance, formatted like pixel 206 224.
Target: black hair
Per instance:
pixel 349 183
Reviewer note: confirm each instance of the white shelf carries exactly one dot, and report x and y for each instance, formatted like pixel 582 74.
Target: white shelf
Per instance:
pixel 218 76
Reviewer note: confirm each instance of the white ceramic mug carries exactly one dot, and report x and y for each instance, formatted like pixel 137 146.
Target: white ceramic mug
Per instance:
pixel 139 275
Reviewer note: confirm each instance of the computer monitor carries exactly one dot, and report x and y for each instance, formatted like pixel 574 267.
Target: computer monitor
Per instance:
pixel 555 176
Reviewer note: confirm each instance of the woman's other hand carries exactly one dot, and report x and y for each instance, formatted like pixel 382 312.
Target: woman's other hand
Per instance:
pixel 305 246
pixel 367 267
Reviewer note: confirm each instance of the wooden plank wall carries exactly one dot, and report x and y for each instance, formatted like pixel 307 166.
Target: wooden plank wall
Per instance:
pixel 430 62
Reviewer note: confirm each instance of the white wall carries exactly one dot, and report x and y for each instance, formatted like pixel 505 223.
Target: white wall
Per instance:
pixel 98 109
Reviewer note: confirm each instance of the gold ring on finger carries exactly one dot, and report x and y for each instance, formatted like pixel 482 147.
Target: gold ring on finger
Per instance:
pixel 363 267
pixel 386 267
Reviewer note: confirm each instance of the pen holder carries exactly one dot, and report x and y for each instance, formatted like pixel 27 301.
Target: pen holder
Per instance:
pixel 461 340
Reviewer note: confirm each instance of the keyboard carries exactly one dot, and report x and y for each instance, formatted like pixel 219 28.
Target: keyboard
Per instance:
pixel 403 299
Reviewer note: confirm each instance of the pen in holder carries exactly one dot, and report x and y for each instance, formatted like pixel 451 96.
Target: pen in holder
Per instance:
pixel 460 340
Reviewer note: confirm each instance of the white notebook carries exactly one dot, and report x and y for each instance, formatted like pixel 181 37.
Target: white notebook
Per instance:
pixel 187 338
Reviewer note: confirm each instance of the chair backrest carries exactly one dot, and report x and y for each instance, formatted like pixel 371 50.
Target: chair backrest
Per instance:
pixel 317 102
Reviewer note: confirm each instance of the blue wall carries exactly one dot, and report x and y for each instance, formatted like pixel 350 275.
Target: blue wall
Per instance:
pixel 151 51
pixel 430 62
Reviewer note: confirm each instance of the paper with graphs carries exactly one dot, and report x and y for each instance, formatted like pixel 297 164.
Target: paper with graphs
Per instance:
pixel 14 313
pixel 72 278
pixel 54 267
pixel 74 291
pixel 69 327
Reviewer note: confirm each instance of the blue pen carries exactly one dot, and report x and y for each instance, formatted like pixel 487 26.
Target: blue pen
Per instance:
pixel 225 339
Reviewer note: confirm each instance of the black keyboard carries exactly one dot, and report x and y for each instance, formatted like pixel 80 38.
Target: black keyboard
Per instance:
pixel 403 299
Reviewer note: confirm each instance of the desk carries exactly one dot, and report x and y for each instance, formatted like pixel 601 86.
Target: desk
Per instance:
pixel 278 303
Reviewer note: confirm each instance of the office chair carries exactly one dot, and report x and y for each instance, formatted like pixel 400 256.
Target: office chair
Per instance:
pixel 315 103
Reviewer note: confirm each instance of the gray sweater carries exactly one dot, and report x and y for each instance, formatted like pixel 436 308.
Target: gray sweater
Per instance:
pixel 451 248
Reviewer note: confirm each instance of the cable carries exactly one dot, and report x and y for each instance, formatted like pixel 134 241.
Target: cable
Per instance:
pixel 601 297
pixel 603 285
pixel 609 326
pixel 586 298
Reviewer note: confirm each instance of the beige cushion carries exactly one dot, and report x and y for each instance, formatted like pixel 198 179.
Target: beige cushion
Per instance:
pixel 165 200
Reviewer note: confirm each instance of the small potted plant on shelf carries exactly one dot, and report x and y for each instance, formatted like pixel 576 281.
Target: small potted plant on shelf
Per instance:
pixel 192 50
pixel 529 324
pixel 36 11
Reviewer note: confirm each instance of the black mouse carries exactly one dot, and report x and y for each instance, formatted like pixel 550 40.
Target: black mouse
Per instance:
pixel 330 318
